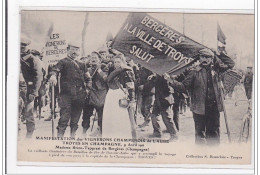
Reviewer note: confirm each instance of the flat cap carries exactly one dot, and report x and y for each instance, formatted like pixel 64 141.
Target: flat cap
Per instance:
pixel 74 44
pixel 25 42
pixel 103 49
pixel 94 52
pixel 206 52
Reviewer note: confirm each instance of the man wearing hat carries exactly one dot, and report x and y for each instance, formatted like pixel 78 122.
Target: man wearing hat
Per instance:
pixel 248 81
pixel 103 52
pixel 206 102
pixel 72 89
pixel 31 69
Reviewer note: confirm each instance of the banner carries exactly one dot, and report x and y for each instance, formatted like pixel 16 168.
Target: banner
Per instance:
pixel 55 49
pixel 155 45
pixel 230 79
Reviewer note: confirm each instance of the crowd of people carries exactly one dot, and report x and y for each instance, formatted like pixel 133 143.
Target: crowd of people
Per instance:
pixel 115 89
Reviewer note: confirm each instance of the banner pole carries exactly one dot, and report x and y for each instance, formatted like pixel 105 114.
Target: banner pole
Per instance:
pixel 95 114
pixel 84 31
pixel 225 114
pixel 52 109
pixel 132 122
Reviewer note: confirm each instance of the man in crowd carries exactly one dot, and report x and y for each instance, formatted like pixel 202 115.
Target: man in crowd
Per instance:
pixel 38 102
pixel 72 89
pixel 22 100
pixel 98 90
pixel 177 104
pixel 146 91
pixel 206 101
pixel 86 59
pixel 106 62
pixel 163 106
pixel 31 69
pixel 103 52
pixel 248 81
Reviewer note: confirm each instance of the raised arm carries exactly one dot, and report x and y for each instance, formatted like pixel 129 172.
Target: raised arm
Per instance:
pixel 223 62
pixel 185 85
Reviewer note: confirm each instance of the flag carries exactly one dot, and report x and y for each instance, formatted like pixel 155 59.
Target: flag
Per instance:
pixel 221 40
pixel 160 48
pixel 221 35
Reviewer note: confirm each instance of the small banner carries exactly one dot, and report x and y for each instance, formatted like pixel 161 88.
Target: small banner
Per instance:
pixel 55 49
pixel 155 45
pixel 230 79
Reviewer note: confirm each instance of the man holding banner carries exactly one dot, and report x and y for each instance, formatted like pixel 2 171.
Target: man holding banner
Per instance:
pixel 165 51
pixel 206 102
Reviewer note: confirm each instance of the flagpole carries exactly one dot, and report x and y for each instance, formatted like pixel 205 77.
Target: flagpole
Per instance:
pixel 84 35
pixel 202 34
pixel 222 97
pixel 217 36
pixel 183 24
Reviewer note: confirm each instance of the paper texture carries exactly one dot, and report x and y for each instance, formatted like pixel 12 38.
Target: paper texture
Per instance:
pixel 80 120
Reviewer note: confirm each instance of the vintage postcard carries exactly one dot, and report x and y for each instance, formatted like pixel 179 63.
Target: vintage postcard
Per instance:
pixel 134 87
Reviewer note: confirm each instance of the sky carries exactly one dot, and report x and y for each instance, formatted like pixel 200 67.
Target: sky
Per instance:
pixel 238 29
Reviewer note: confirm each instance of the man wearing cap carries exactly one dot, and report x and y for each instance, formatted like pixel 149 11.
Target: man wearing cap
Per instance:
pixel 248 81
pixel 162 106
pixel 97 94
pixel 31 69
pixel 103 52
pixel 206 102
pixel 72 89
pixel 105 58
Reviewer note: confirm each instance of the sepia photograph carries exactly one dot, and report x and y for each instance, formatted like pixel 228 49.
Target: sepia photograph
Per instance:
pixel 136 87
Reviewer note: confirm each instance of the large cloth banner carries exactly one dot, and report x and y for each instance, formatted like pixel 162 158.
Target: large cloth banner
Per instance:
pixel 155 45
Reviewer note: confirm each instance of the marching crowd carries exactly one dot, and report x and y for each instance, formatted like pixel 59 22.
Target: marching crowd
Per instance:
pixel 113 87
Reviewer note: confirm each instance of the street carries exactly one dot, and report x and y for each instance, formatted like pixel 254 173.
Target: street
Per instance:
pixel 234 114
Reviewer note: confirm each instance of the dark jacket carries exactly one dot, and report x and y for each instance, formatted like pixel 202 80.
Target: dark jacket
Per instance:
pixel 31 68
pixel 196 83
pixel 163 92
pixel 148 85
pixel 125 78
pixel 148 89
pixel 72 77
pixel 98 89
